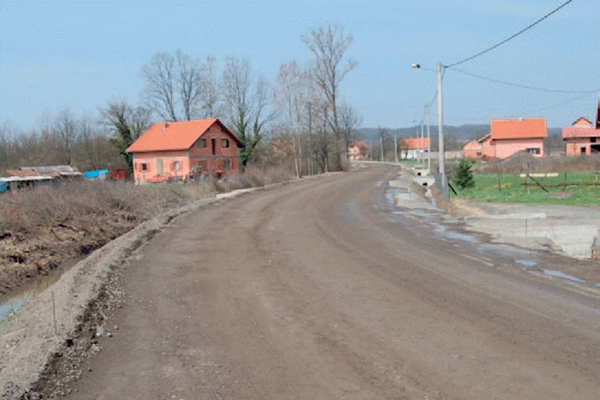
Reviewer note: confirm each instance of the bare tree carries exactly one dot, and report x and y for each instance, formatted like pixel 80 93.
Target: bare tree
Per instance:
pixel 160 85
pixel 66 131
pixel 189 83
pixel 127 123
pixel 211 96
pixel 329 46
pixel 174 87
pixel 246 104
pixel 349 123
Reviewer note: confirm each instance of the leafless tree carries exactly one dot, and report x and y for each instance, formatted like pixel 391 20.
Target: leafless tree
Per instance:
pixel 189 83
pixel 349 123
pixel 66 131
pixel 329 45
pixel 246 101
pixel 210 95
pixel 174 86
pixel 160 78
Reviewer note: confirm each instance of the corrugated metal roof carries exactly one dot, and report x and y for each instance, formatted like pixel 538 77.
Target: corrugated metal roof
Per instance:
pixel 521 128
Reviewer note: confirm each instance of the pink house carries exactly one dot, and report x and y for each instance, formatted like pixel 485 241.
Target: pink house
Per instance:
pixel 358 150
pixel 184 151
pixel 480 148
pixel 524 134
pixel 582 137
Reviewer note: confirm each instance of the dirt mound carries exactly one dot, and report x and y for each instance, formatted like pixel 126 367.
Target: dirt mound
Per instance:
pixel 26 255
pixel 522 162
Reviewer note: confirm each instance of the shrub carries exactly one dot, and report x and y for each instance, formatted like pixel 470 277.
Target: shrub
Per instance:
pixel 463 175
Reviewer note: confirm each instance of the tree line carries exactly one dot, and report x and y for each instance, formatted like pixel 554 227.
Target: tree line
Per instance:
pixel 302 112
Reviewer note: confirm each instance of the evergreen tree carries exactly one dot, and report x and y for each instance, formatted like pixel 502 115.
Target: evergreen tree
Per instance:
pixel 464 176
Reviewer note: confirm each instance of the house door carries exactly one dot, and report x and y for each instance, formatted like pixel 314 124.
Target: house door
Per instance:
pixel 159 166
pixel 583 151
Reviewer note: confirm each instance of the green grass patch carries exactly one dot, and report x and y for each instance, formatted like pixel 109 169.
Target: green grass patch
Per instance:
pixel 577 188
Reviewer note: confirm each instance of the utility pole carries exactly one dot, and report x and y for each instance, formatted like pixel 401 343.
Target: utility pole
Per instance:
pixel 442 164
pixel 428 141
pixel 421 147
pixel 396 147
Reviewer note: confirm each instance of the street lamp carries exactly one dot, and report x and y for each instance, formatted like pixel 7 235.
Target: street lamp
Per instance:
pixel 443 183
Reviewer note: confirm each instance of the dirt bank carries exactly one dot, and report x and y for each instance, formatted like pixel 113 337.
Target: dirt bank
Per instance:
pixel 26 256
pixel 47 327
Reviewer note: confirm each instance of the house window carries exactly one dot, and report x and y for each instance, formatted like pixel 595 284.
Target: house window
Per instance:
pixel 226 165
pixel 533 150
pixel 224 143
pixel 144 167
pixel 202 143
pixel 176 166
pixel 593 140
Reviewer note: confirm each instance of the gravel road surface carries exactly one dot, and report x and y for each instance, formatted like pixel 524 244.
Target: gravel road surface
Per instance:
pixel 324 290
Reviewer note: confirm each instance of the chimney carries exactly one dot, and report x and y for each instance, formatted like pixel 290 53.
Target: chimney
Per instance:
pixel 166 125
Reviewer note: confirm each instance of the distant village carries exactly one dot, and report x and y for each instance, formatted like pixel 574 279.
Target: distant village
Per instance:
pixel 193 150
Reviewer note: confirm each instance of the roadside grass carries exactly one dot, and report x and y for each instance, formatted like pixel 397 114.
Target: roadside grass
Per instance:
pixel 580 188
pixel 47 205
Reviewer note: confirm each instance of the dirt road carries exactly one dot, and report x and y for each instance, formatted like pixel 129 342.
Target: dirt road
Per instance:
pixel 318 290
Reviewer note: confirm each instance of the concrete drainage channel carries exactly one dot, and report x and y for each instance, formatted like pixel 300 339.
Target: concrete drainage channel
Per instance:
pixel 35 327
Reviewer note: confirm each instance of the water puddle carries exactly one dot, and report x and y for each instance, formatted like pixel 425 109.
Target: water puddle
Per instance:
pixel 558 274
pixel 391 193
pixel 14 303
pixel 526 263
pixel 11 303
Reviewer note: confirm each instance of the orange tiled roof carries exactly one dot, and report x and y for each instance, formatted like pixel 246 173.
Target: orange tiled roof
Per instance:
pixel 522 128
pixel 358 144
pixel 166 136
pixel 414 143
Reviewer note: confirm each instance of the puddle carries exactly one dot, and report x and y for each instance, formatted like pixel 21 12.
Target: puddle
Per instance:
pixel 557 274
pixel 10 304
pixel 526 263
pixel 14 303
pixel 391 193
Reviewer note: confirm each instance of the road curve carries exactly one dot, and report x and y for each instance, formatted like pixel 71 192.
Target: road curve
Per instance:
pixel 315 290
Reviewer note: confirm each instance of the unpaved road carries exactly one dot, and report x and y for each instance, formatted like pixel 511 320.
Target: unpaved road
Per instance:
pixel 317 290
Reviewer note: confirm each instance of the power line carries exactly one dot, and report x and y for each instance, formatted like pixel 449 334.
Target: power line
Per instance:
pixel 512 37
pixel 524 86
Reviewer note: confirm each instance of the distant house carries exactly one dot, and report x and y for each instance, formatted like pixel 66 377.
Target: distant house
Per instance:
pixel 358 150
pixel 184 151
pixel 480 149
pixel 509 136
pixel 582 137
pixel 412 148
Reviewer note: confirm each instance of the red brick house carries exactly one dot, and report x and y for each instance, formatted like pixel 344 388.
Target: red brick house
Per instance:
pixel 582 137
pixel 184 151
pixel 480 148
pixel 358 150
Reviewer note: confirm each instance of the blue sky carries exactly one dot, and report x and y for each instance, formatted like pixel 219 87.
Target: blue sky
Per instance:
pixel 82 54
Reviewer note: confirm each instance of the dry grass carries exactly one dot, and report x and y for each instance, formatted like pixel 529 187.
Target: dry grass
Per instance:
pixel 69 202
pixel 44 226
pixel 256 177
